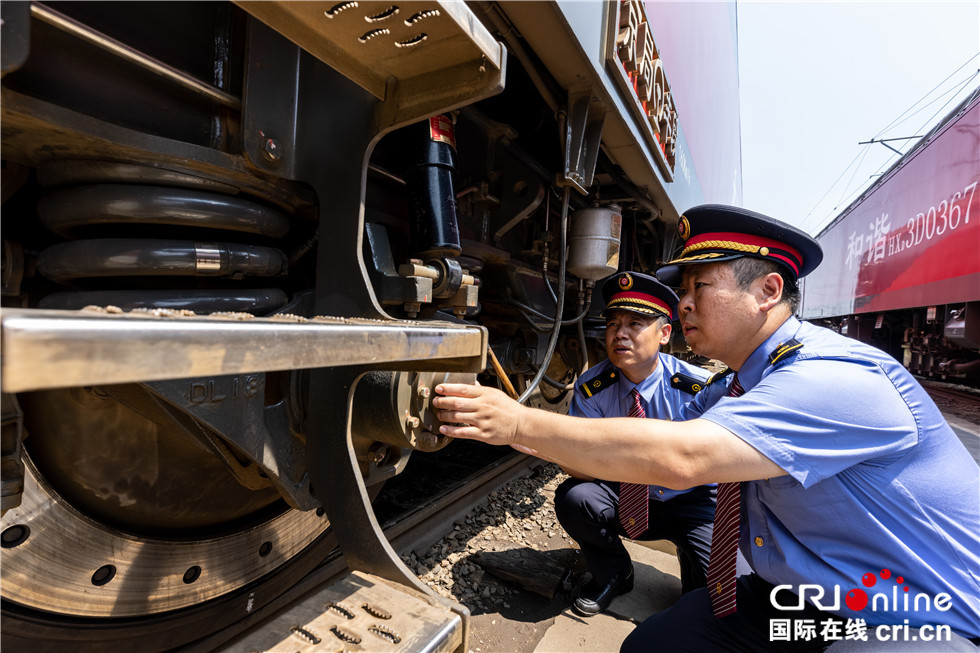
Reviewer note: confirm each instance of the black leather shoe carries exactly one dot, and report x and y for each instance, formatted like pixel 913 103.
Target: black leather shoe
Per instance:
pixel 594 599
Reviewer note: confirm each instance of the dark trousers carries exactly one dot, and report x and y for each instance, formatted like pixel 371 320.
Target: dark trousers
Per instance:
pixel 689 626
pixel 587 510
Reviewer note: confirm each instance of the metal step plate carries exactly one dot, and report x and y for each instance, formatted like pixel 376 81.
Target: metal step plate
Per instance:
pixel 359 612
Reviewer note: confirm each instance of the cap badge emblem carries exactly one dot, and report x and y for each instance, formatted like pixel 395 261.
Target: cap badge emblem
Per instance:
pixel 684 228
pixel 626 282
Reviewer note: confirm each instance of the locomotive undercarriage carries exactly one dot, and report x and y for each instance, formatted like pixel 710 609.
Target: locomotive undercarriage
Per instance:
pixel 937 342
pixel 221 325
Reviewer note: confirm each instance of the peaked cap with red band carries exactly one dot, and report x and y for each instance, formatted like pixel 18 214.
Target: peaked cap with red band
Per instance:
pixel 639 293
pixel 714 232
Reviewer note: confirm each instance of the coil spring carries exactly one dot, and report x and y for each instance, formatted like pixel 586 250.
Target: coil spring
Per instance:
pixel 91 202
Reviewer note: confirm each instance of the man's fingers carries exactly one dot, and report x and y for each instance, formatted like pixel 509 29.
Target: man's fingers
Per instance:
pixel 463 431
pixel 452 416
pixel 458 389
pixel 454 403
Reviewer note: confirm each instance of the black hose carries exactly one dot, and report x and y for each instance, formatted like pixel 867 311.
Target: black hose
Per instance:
pixel 553 341
pixel 525 309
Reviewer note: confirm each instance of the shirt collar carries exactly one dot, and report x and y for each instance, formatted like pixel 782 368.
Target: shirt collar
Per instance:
pixel 758 361
pixel 648 386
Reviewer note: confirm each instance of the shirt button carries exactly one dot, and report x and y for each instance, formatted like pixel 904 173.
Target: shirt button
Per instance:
pixel 758 541
pixel 660 492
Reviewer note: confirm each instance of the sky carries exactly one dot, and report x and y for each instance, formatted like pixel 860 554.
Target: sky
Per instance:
pixel 818 78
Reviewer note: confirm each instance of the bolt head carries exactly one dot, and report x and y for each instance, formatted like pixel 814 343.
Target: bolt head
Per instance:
pixel 378 453
pixel 271 150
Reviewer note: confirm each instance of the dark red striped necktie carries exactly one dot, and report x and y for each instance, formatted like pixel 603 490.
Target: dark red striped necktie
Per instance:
pixel 634 498
pixel 724 539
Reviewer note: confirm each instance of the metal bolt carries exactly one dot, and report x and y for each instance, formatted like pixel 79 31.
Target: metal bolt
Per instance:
pixel 412 422
pixel 429 439
pixel 424 392
pixel 271 150
pixel 378 453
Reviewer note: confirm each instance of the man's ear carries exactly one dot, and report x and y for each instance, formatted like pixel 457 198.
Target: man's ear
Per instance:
pixel 665 333
pixel 770 290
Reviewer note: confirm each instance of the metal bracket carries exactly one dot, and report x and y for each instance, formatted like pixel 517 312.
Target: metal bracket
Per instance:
pixel 340 488
pixel 393 288
pixel 11 439
pixel 269 101
pixel 232 409
pixel 583 135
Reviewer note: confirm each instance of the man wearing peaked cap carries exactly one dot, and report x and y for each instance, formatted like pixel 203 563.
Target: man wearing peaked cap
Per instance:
pixel 835 469
pixel 636 380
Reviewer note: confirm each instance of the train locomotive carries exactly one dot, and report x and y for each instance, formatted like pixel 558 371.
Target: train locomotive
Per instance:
pixel 901 264
pixel 243 241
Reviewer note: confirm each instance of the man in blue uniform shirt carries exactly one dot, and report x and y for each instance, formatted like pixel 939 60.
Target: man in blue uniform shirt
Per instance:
pixel 841 482
pixel 635 380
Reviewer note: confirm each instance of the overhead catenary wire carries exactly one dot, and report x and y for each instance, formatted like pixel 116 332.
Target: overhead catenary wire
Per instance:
pixel 812 221
pixel 927 94
pixel 864 154
pixel 953 94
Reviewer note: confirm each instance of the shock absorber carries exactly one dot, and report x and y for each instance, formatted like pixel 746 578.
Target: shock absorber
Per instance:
pixel 435 232
pixel 122 220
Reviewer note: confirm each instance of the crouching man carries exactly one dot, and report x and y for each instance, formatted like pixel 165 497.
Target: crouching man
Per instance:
pixel 636 380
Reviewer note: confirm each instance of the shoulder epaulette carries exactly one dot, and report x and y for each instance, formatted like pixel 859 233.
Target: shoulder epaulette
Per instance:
pixel 718 375
pixel 599 383
pixel 686 382
pixel 780 353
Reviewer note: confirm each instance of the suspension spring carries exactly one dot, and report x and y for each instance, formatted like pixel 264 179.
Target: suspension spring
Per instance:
pixel 143 237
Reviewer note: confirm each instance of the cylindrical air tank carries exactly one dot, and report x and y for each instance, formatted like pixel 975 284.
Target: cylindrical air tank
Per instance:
pixel 594 243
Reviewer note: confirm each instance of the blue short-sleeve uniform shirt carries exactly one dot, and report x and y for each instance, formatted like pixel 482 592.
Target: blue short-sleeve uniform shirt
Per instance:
pixel 659 398
pixel 878 487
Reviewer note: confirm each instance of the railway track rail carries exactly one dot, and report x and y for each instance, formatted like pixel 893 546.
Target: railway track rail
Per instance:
pixel 942 390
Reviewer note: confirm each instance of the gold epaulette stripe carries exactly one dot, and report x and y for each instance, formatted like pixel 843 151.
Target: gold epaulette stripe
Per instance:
pixel 718 375
pixel 634 300
pixel 597 384
pixel 784 349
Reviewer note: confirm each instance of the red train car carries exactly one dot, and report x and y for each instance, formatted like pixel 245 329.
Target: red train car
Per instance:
pixel 901 264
